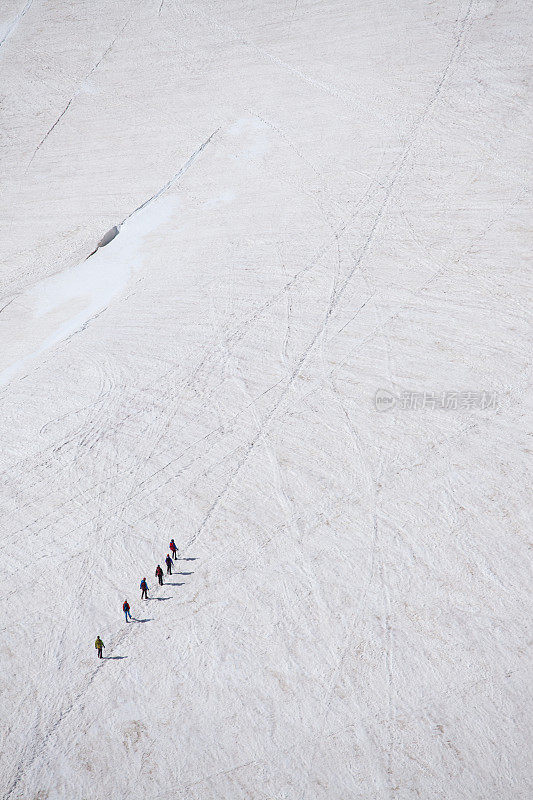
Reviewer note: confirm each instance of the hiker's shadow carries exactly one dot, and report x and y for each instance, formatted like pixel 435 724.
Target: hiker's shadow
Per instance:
pixel 148 619
pixel 185 573
pixel 114 658
pixel 188 559
pixel 160 598
pixel 168 583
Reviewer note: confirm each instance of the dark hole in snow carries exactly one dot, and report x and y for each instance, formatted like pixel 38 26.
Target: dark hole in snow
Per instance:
pixel 109 236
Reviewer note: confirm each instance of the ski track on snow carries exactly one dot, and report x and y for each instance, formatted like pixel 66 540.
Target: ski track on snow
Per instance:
pixel 12 27
pixel 138 455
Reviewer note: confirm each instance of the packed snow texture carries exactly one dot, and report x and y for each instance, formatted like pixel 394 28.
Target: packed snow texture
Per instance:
pixel 315 202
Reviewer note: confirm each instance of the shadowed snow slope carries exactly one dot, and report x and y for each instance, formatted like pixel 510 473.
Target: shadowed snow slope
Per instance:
pixel 57 307
pixel 315 202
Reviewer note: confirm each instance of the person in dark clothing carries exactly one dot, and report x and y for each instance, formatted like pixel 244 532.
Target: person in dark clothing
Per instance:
pixel 173 549
pixel 99 644
pixel 159 574
pixel 144 589
pixel 168 562
pixel 126 609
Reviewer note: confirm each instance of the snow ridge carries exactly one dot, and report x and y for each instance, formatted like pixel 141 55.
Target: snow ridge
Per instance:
pixel 188 164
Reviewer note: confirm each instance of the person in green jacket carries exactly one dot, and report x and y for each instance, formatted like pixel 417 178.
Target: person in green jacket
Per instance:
pixel 99 644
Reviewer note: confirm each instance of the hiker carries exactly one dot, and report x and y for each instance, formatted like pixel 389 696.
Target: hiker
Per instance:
pixel 173 549
pixel 99 644
pixel 126 609
pixel 159 574
pixel 144 589
pixel 168 562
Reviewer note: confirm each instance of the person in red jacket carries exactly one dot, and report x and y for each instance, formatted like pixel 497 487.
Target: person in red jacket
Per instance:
pixel 168 562
pixel 144 589
pixel 159 574
pixel 126 609
pixel 173 548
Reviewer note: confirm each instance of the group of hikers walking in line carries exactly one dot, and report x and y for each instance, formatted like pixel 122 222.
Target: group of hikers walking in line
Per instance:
pixel 99 645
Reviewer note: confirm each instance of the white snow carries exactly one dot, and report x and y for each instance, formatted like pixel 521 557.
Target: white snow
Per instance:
pixel 59 306
pixel 316 202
